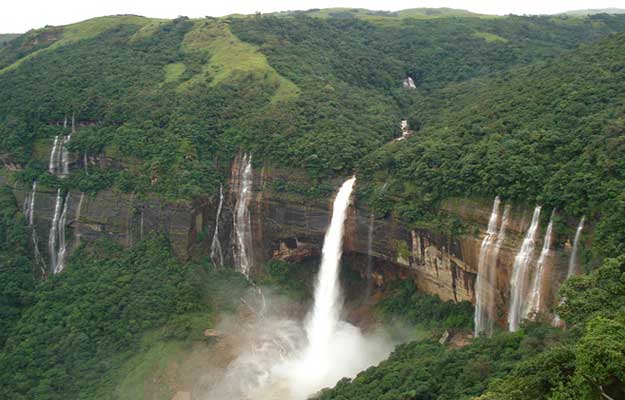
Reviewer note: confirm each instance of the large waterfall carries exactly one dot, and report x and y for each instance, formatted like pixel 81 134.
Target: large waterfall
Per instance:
pixel 216 253
pixel 286 362
pixel 326 311
pixel 242 219
pixel 535 294
pixel 573 267
pixel 486 277
pixel 520 272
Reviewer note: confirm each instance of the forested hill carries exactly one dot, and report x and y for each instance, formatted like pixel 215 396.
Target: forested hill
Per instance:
pixel 174 100
pixel 550 133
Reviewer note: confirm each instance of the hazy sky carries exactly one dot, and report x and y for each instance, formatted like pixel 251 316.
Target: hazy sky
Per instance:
pixel 22 15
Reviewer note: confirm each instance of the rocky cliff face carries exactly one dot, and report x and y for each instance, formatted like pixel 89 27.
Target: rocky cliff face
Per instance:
pixel 291 227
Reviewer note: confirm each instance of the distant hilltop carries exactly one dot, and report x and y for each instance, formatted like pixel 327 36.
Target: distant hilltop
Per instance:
pixel 365 13
pixel 595 11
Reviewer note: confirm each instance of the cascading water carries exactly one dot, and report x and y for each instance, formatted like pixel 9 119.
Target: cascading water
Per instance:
pixel 518 281
pixel 62 249
pixel 59 155
pixel 285 362
pixel 54 156
pixel 325 314
pixel 242 219
pixel 573 267
pixel 535 296
pixel 484 283
pixel 53 236
pixel 56 239
pixel 216 253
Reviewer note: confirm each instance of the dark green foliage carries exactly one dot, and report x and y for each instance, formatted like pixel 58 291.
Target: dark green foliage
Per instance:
pixel 84 320
pixel 426 370
pixel 16 274
pixel 289 279
pixel 403 301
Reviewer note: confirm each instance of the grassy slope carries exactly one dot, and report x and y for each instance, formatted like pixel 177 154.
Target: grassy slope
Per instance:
pixel 81 31
pixel 229 59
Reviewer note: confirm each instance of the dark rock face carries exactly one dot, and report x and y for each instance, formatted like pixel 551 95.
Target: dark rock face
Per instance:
pixel 292 227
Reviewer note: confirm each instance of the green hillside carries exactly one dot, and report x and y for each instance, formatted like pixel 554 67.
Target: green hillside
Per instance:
pixel 549 133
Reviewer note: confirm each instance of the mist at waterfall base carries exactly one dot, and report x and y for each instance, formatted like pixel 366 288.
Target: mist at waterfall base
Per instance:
pixel 282 358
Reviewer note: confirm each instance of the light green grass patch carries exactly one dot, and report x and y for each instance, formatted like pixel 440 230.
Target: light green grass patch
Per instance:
pixel 148 29
pixel 174 71
pixel 490 37
pixel 230 58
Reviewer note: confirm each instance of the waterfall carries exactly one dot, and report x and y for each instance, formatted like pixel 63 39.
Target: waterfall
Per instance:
pixel 370 256
pixel 573 267
pixel 518 281
pixel 242 220
pixel 62 250
pixel 59 156
pixel 52 237
pixel 29 211
pixel 290 363
pixel 485 274
pixel 325 314
pixel 56 239
pixel 534 304
pixel 216 253
pixel 54 155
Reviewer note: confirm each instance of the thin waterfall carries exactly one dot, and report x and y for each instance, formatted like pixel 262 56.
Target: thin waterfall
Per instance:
pixel 62 249
pixel 242 219
pixel 535 297
pixel 29 211
pixel 573 265
pixel 53 236
pixel 56 240
pixel 518 281
pixel 54 155
pixel 326 310
pixel 370 256
pixel 216 253
pixel 485 274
